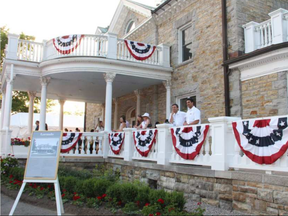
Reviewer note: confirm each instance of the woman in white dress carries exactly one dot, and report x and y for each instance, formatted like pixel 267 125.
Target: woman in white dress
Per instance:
pixel 122 123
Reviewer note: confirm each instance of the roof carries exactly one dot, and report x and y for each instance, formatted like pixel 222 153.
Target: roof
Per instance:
pixel 142 5
pixel 161 5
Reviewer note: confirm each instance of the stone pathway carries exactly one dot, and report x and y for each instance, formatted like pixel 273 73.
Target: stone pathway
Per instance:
pixel 23 208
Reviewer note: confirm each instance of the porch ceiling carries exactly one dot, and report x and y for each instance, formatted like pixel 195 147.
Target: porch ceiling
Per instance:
pixel 83 86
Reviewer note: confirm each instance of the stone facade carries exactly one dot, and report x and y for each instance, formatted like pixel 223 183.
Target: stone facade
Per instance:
pixel 251 192
pixel 93 115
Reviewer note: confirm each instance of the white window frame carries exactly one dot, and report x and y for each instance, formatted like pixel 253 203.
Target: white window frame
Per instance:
pixel 180 45
pixel 178 98
pixel 130 21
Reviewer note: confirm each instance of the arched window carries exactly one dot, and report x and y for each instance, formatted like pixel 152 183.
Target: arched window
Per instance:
pixel 130 26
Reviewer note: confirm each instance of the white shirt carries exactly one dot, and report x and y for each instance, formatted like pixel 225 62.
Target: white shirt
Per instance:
pixel 178 118
pixel 193 114
pixel 127 124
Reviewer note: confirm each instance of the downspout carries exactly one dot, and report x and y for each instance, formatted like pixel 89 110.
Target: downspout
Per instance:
pixel 225 58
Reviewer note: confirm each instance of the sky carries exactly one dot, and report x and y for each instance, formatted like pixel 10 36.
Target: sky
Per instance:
pixel 48 19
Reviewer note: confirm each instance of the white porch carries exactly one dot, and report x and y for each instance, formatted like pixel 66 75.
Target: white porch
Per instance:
pixel 100 69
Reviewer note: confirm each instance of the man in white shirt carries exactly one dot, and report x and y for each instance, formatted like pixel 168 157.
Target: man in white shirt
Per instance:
pixel 177 118
pixel 193 115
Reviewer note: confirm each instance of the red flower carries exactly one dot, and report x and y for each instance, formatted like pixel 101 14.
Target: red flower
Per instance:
pixel 11 176
pixel 147 204
pixel 199 203
pixel 151 215
pixel 12 155
pixel 73 193
pixel 158 213
pixel 104 195
pixel 30 184
pixel 10 182
pixel 119 203
pixel 137 203
pixel 99 197
pixel 49 186
pixel 63 195
pixel 76 198
pixel 160 201
pixel 42 188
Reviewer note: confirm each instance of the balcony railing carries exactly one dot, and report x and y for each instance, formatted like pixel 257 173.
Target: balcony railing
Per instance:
pixel 272 31
pixel 220 150
pixel 109 47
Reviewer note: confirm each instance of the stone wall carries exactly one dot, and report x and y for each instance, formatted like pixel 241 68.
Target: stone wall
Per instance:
pixel 93 112
pixel 249 191
pixel 240 12
pixel 265 96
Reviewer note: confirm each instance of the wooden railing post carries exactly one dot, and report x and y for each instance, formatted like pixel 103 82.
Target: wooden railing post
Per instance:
pixel 112 46
pixel 128 144
pixel 12 47
pixel 252 37
pixel 164 144
pixel 279 25
pixel 222 142
pixel 164 55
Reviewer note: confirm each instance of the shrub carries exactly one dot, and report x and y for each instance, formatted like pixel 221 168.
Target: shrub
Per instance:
pixel 131 208
pixel 83 174
pixel 155 195
pixel 95 187
pixel 7 163
pixel 17 173
pixel 143 195
pixel 69 184
pixel 129 192
pixel 114 191
pixel 177 199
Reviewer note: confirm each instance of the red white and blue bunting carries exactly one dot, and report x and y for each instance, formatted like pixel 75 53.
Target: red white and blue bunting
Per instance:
pixel 67 44
pixel 144 141
pixel 69 141
pixel 188 141
pixel 263 141
pixel 140 51
pixel 116 141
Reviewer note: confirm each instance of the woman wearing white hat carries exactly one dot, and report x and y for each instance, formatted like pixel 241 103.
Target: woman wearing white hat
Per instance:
pixel 146 121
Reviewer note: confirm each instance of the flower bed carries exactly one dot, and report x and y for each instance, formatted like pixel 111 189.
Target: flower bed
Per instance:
pixel 100 188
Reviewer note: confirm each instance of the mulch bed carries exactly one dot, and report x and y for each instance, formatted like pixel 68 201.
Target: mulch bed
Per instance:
pixel 51 205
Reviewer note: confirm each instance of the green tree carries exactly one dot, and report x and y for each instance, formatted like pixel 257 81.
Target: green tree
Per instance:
pixel 20 100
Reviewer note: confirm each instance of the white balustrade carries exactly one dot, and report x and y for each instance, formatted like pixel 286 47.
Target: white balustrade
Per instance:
pixel 30 51
pixel 272 31
pixel 205 156
pixel 90 145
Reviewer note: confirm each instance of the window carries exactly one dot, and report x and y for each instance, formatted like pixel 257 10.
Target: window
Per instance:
pixel 185 43
pixel 130 26
pixel 182 103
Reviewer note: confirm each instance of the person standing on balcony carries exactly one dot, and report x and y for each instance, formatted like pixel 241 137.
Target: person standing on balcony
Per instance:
pixel 138 122
pixel 100 127
pixel 37 125
pixel 122 123
pixel 193 115
pixel 146 121
pixel 177 118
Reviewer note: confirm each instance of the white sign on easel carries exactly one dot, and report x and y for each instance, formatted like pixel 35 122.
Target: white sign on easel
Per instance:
pixel 42 164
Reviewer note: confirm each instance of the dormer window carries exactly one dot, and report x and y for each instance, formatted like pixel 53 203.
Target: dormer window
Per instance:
pixel 130 26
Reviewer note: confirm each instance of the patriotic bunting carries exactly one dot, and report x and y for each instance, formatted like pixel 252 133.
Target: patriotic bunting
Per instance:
pixel 139 51
pixel 67 44
pixel 144 141
pixel 263 141
pixel 69 141
pixel 116 141
pixel 188 141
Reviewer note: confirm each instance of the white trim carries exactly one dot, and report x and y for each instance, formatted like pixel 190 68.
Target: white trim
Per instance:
pixel 128 24
pixel 180 45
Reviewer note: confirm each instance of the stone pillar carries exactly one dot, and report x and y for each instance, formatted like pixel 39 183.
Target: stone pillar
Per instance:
pixel 32 96
pixel 61 114
pixel 44 83
pixel 109 77
pixel 115 113
pixel 6 132
pixel 138 103
pixel 167 85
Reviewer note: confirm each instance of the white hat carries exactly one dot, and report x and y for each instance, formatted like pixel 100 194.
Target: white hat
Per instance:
pixel 146 115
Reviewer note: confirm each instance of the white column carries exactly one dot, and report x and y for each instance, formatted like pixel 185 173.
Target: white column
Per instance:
pixel 251 36
pixel 6 132
pixel 3 107
pixel 12 46
pixel 115 113
pixel 31 111
pixel 137 93
pixel 109 77
pixel 44 83
pixel 61 114
pixel 167 85
pixel 128 144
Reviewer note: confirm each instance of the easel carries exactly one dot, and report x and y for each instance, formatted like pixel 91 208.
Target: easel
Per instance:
pixel 59 203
